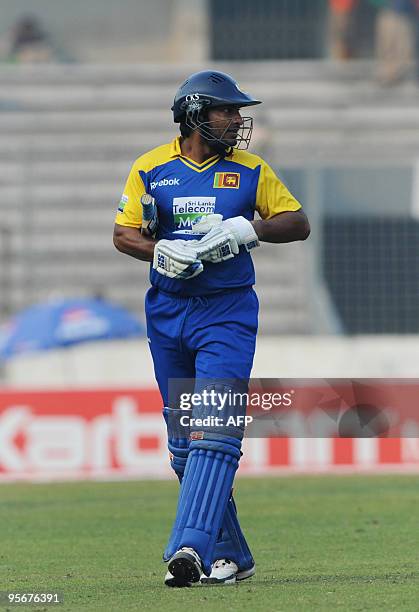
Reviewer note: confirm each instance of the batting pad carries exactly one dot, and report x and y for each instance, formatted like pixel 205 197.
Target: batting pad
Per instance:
pixel 177 441
pixel 178 453
pixel 204 494
pixel 232 543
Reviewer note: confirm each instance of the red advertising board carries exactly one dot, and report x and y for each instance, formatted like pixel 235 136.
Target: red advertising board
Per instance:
pixel 120 433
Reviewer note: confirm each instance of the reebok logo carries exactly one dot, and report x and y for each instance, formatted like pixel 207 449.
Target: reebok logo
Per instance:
pixel 165 183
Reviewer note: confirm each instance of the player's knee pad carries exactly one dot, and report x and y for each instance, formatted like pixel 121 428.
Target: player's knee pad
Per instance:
pixel 177 441
pixel 231 543
pixel 221 409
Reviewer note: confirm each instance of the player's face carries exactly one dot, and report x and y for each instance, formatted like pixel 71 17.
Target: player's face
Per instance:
pixel 225 122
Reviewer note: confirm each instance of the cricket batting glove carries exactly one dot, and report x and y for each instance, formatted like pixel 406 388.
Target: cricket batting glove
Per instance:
pixel 150 220
pixel 205 224
pixel 176 259
pixel 236 231
pixel 243 231
pixel 216 246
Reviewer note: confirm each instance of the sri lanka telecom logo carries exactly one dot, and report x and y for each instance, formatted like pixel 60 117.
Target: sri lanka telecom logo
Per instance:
pixel 190 210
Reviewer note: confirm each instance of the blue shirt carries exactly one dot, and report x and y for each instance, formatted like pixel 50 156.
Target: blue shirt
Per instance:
pixel 186 191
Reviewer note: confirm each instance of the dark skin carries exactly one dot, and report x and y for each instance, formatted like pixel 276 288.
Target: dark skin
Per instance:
pixel 288 226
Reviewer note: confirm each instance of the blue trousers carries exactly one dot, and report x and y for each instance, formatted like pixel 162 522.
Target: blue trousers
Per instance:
pixel 205 337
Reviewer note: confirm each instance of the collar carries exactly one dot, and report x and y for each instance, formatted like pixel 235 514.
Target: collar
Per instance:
pixel 175 148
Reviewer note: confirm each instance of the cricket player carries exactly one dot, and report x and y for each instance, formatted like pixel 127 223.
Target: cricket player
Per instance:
pixel 188 207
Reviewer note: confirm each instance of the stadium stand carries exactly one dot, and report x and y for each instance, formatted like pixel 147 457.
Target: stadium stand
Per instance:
pixel 70 133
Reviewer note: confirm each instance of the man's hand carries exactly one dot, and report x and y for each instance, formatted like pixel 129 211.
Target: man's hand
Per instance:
pixel 216 246
pixel 205 224
pixel 223 238
pixel 176 259
pixel 243 231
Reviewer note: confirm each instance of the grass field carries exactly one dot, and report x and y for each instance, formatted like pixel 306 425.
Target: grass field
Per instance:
pixel 320 543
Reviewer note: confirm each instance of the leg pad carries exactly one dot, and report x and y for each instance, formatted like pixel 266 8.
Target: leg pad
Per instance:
pixel 204 494
pixel 177 442
pixel 232 543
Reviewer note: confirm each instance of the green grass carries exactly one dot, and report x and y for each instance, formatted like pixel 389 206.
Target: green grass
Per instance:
pixel 320 543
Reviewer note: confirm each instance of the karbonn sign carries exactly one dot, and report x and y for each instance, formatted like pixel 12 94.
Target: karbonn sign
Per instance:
pixel 81 433
pixel 121 433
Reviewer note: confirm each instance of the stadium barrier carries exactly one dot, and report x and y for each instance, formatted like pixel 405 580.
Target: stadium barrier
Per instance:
pixel 119 433
pixel 128 364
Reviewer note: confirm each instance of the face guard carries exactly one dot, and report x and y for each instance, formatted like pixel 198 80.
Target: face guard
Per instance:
pixel 239 138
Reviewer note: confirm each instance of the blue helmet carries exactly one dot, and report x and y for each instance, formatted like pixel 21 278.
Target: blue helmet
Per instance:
pixel 210 88
pixel 206 89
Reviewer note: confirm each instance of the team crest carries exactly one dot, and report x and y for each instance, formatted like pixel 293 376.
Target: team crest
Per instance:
pixel 123 201
pixel 227 180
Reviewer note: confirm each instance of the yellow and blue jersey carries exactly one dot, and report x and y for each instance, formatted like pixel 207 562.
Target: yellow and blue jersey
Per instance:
pixel 186 191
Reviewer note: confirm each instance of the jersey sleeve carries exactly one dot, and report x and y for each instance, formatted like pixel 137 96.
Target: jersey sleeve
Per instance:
pixel 129 209
pixel 272 197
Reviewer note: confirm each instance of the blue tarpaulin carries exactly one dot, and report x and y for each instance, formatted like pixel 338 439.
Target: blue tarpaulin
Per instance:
pixel 66 322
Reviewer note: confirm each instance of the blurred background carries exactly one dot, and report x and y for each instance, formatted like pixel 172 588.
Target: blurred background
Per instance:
pixel 87 88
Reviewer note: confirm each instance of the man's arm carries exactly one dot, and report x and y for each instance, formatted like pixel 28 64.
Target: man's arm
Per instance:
pixel 129 240
pixel 287 226
pixel 172 258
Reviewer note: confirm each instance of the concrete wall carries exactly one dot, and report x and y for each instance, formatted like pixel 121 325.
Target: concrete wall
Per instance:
pixel 129 363
pixel 123 31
